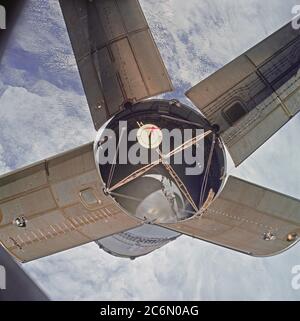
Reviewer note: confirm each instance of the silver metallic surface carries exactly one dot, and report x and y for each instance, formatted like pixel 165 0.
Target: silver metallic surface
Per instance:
pixel 63 203
pixel 116 55
pixel 137 242
pixel 262 86
pixel 162 193
pixel 247 218
pixel 60 203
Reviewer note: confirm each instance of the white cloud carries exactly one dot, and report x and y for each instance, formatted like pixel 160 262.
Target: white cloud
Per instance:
pixel 35 126
pixel 198 37
pixel 3 166
pixel 184 269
